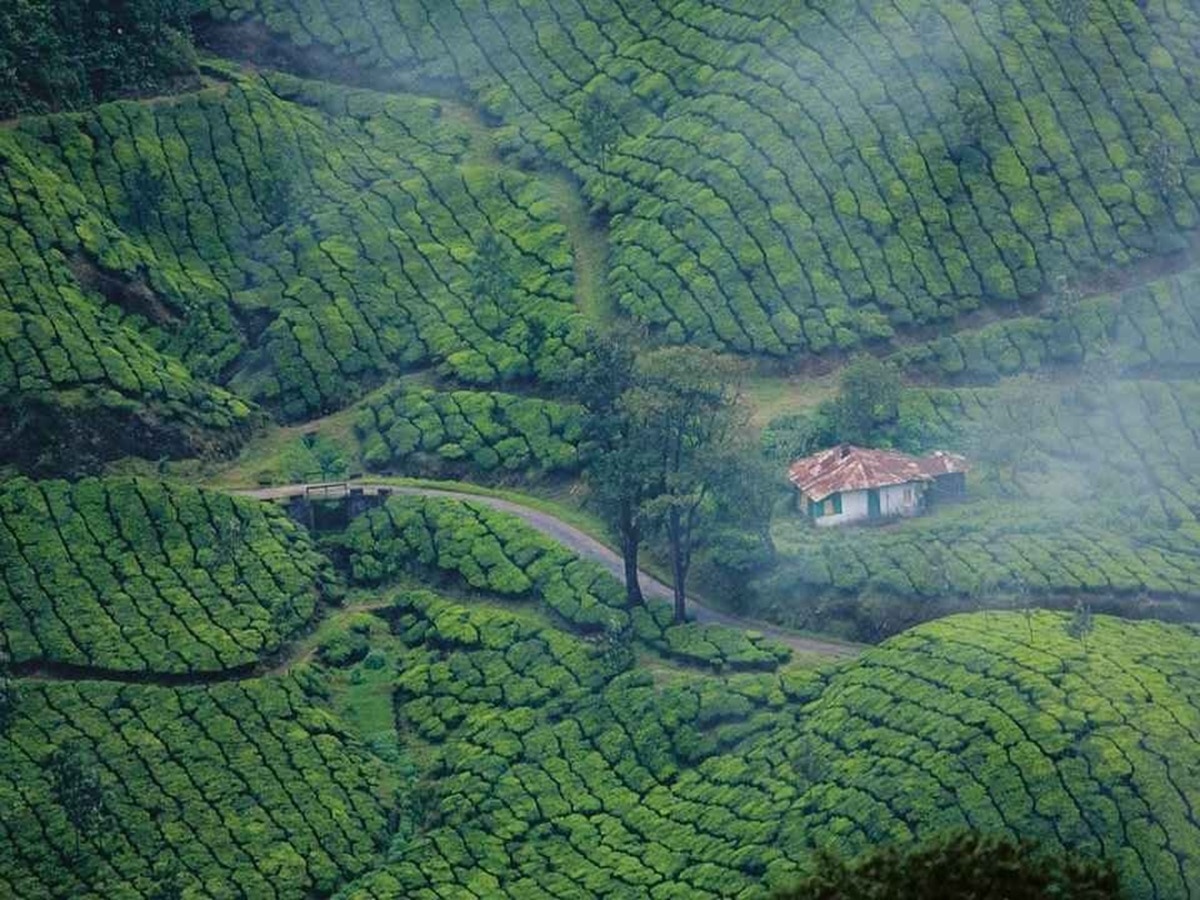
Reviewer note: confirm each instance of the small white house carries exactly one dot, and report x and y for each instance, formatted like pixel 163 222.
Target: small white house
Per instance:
pixel 852 484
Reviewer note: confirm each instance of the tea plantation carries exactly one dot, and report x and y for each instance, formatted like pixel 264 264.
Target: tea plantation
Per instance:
pixel 498 553
pixel 1152 328
pixel 557 782
pixel 234 790
pixel 1086 488
pixel 473 431
pixel 809 176
pixel 139 576
pixel 541 738
pixel 291 241
pixel 247 246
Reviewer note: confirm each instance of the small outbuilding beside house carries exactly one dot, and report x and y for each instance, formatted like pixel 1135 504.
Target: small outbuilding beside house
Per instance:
pixel 852 484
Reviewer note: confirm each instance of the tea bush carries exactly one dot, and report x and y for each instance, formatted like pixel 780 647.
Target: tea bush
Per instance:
pixel 232 790
pixel 138 576
pixel 434 432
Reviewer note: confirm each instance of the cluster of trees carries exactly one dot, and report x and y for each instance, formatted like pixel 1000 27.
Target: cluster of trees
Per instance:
pixel 671 452
pixel 866 411
pixel 712 786
pixel 496 552
pixel 66 54
pixel 745 218
pixel 1147 327
pixel 438 432
pixel 241 789
pixel 138 576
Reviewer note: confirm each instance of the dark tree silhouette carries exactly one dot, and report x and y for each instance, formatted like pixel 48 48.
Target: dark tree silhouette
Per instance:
pixel 962 864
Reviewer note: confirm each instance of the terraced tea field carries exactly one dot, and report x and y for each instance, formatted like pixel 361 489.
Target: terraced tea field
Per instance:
pixel 810 177
pixel 292 241
pixel 266 243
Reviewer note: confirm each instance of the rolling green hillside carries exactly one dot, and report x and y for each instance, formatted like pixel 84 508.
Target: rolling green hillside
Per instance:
pixel 552 787
pixel 138 576
pixel 293 242
pixel 234 790
pixel 500 750
pixel 809 176
pixel 278 242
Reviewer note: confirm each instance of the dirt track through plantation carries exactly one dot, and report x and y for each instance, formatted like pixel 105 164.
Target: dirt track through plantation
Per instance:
pixel 586 546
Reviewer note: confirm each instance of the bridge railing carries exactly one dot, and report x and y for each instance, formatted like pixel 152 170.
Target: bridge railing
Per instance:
pixel 329 490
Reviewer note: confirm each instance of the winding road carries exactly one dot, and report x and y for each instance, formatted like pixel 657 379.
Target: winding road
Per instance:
pixel 569 536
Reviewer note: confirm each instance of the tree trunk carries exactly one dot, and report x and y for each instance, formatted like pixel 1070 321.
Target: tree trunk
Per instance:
pixel 629 550
pixel 631 539
pixel 678 566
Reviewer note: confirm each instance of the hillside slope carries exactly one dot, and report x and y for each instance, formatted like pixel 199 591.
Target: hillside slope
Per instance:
pixel 808 176
pixel 550 786
pixel 293 242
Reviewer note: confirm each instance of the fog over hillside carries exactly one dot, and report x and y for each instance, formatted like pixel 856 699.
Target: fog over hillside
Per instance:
pixel 600 448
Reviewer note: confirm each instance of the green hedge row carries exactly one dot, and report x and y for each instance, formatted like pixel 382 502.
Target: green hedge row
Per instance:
pixel 1151 327
pixel 139 576
pixel 915 163
pixel 496 552
pixel 553 777
pixel 432 432
pixel 235 790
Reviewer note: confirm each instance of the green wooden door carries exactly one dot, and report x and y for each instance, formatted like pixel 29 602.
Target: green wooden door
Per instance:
pixel 873 503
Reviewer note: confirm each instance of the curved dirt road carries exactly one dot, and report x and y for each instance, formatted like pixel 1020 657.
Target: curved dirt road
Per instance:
pixel 587 546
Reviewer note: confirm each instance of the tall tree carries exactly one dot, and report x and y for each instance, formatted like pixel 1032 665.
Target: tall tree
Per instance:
pixel 1073 13
pixel 618 474
pixel 868 399
pixel 1080 625
pixel 491 275
pixel 686 407
pixel 10 694
pixel 599 130
pixel 1162 164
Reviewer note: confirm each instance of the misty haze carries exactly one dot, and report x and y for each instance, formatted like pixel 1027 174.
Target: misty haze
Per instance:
pixel 618 449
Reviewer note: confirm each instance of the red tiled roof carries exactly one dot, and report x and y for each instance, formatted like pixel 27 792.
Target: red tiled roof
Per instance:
pixel 849 468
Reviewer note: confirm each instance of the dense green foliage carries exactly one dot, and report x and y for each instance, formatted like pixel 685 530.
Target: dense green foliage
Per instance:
pixel 292 241
pixel 434 433
pixel 964 864
pixel 228 791
pixel 1151 328
pixel 496 552
pixel 183 716
pixel 138 576
pixel 810 176
pixel 63 54
pixel 551 778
